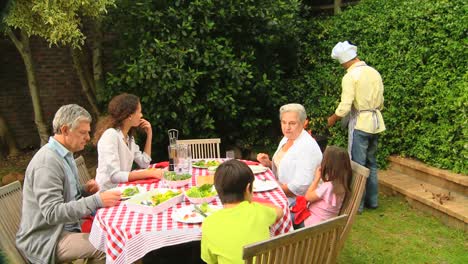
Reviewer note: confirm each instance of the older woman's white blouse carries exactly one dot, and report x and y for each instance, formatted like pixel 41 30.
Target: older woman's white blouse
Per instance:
pixel 115 158
pixel 298 165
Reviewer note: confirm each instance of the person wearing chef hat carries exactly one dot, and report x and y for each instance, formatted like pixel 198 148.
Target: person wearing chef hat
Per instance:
pixel 361 102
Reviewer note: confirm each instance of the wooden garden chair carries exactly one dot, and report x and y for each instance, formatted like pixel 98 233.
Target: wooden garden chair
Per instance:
pixel 83 173
pixel 203 148
pixel 11 199
pixel 353 200
pixel 313 244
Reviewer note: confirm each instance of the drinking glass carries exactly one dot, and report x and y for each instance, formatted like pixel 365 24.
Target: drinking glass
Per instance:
pixel 183 162
pixel 230 154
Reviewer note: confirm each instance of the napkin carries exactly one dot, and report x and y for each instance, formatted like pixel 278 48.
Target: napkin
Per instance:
pixel 250 162
pixel 145 181
pixel 301 210
pixel 86 224
pixel 162 164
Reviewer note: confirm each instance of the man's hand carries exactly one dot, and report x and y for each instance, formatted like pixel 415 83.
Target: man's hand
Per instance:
pixel 332 120
pixel 110 198
pixel 91 187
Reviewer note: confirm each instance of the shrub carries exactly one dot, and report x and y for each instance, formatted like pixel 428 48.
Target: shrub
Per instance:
pixel 419 47
pixel 208 68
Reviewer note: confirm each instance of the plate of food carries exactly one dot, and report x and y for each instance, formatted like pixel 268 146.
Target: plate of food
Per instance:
pixel 129 191
pixel 206 193
pixel 193 214
pixel 154 201
pixel 204 164
pixel 258 168
pixel 264 185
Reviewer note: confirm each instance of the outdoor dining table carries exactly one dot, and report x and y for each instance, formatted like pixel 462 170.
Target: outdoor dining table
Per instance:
pixel 126 236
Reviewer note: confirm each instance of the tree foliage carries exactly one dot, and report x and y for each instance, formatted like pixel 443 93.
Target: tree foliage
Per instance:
pixel 57 21
pixel 208 68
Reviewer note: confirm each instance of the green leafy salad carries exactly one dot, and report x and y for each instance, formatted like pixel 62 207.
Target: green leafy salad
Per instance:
pixel 206 163
pixel 173 176
pixel 162 197
pixel 130 191
pixel 206 190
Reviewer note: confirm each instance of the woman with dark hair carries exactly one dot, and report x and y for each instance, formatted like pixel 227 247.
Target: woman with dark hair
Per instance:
pixel 241 221
pixel 116 145
pixel 325 200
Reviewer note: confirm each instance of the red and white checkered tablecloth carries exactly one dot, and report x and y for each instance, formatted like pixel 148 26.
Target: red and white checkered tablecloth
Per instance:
pixel 127 236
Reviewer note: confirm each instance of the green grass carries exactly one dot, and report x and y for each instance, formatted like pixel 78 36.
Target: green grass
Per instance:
pixel 395 233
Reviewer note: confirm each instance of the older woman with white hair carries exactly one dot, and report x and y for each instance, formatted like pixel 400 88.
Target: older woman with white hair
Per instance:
pixel 298 154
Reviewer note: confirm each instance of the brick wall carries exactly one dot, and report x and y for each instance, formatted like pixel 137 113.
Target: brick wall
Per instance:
pixel 56 79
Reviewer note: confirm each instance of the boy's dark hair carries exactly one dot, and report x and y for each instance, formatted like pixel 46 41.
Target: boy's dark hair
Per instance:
pixel 230 180
pixel 336 167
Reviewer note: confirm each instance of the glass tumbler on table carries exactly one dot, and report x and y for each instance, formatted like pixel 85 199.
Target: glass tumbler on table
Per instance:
pixel 183 162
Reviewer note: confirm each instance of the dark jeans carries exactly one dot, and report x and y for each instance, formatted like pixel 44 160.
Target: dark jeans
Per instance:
pixel 189 253
pixel 364 152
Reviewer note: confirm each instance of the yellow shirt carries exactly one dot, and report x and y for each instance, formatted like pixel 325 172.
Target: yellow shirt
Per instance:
pixel 363 88
pixel 227 231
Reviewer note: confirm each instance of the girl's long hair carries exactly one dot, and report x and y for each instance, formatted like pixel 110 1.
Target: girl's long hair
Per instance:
pixel 336 167
pixel 120 108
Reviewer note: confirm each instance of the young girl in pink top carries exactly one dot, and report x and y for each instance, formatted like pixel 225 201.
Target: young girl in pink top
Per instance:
pixel 325 200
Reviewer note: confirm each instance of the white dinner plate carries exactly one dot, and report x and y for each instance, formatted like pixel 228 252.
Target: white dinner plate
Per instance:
pixel 188 214
pixel 123 188
pixel 262 186
pixel 258 168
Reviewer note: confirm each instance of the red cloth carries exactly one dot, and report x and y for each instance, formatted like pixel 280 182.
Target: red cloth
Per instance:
pixel 250 162
pixel 87 224
pixel 300 209
pixel 145 181
pixel 162 164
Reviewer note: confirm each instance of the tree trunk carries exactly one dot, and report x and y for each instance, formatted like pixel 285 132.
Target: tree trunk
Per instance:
pixel 337 6
pixel 86 83
pixel 97 56
pixel 24 49
pixel 7 139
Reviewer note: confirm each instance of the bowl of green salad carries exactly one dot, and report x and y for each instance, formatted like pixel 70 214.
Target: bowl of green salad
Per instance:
pixel 202 194
pixel 176 180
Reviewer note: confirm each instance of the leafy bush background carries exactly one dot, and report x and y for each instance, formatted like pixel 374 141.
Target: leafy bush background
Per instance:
pixel 208 68
pixel 223 68
pixel 419 47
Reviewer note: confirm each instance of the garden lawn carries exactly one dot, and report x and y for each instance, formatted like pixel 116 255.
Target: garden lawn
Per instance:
pixel 395 233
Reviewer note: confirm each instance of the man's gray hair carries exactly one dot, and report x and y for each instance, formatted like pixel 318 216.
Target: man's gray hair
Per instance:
pixel 70 115
pixel 298 108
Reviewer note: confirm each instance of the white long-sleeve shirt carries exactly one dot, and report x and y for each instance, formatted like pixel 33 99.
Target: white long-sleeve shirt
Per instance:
pixel 115 158
pixel 297 167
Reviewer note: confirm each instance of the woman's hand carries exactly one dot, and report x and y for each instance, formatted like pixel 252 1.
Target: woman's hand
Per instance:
pixel 146 126
pixel 155 173
pixel 264 159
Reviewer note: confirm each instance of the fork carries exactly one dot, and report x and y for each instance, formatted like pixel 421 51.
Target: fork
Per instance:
pixel 199 210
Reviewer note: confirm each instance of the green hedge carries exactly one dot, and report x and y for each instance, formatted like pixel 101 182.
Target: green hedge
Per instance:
pixel 419 47
pixel 222 68
pixel 208 68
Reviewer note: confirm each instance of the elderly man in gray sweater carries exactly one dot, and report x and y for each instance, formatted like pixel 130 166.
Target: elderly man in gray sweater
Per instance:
pixel 54 201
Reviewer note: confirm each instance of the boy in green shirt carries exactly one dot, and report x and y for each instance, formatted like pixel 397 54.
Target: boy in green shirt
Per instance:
pixel 240 222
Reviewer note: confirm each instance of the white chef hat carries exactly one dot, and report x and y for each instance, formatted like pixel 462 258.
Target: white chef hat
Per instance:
pixel 344 52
